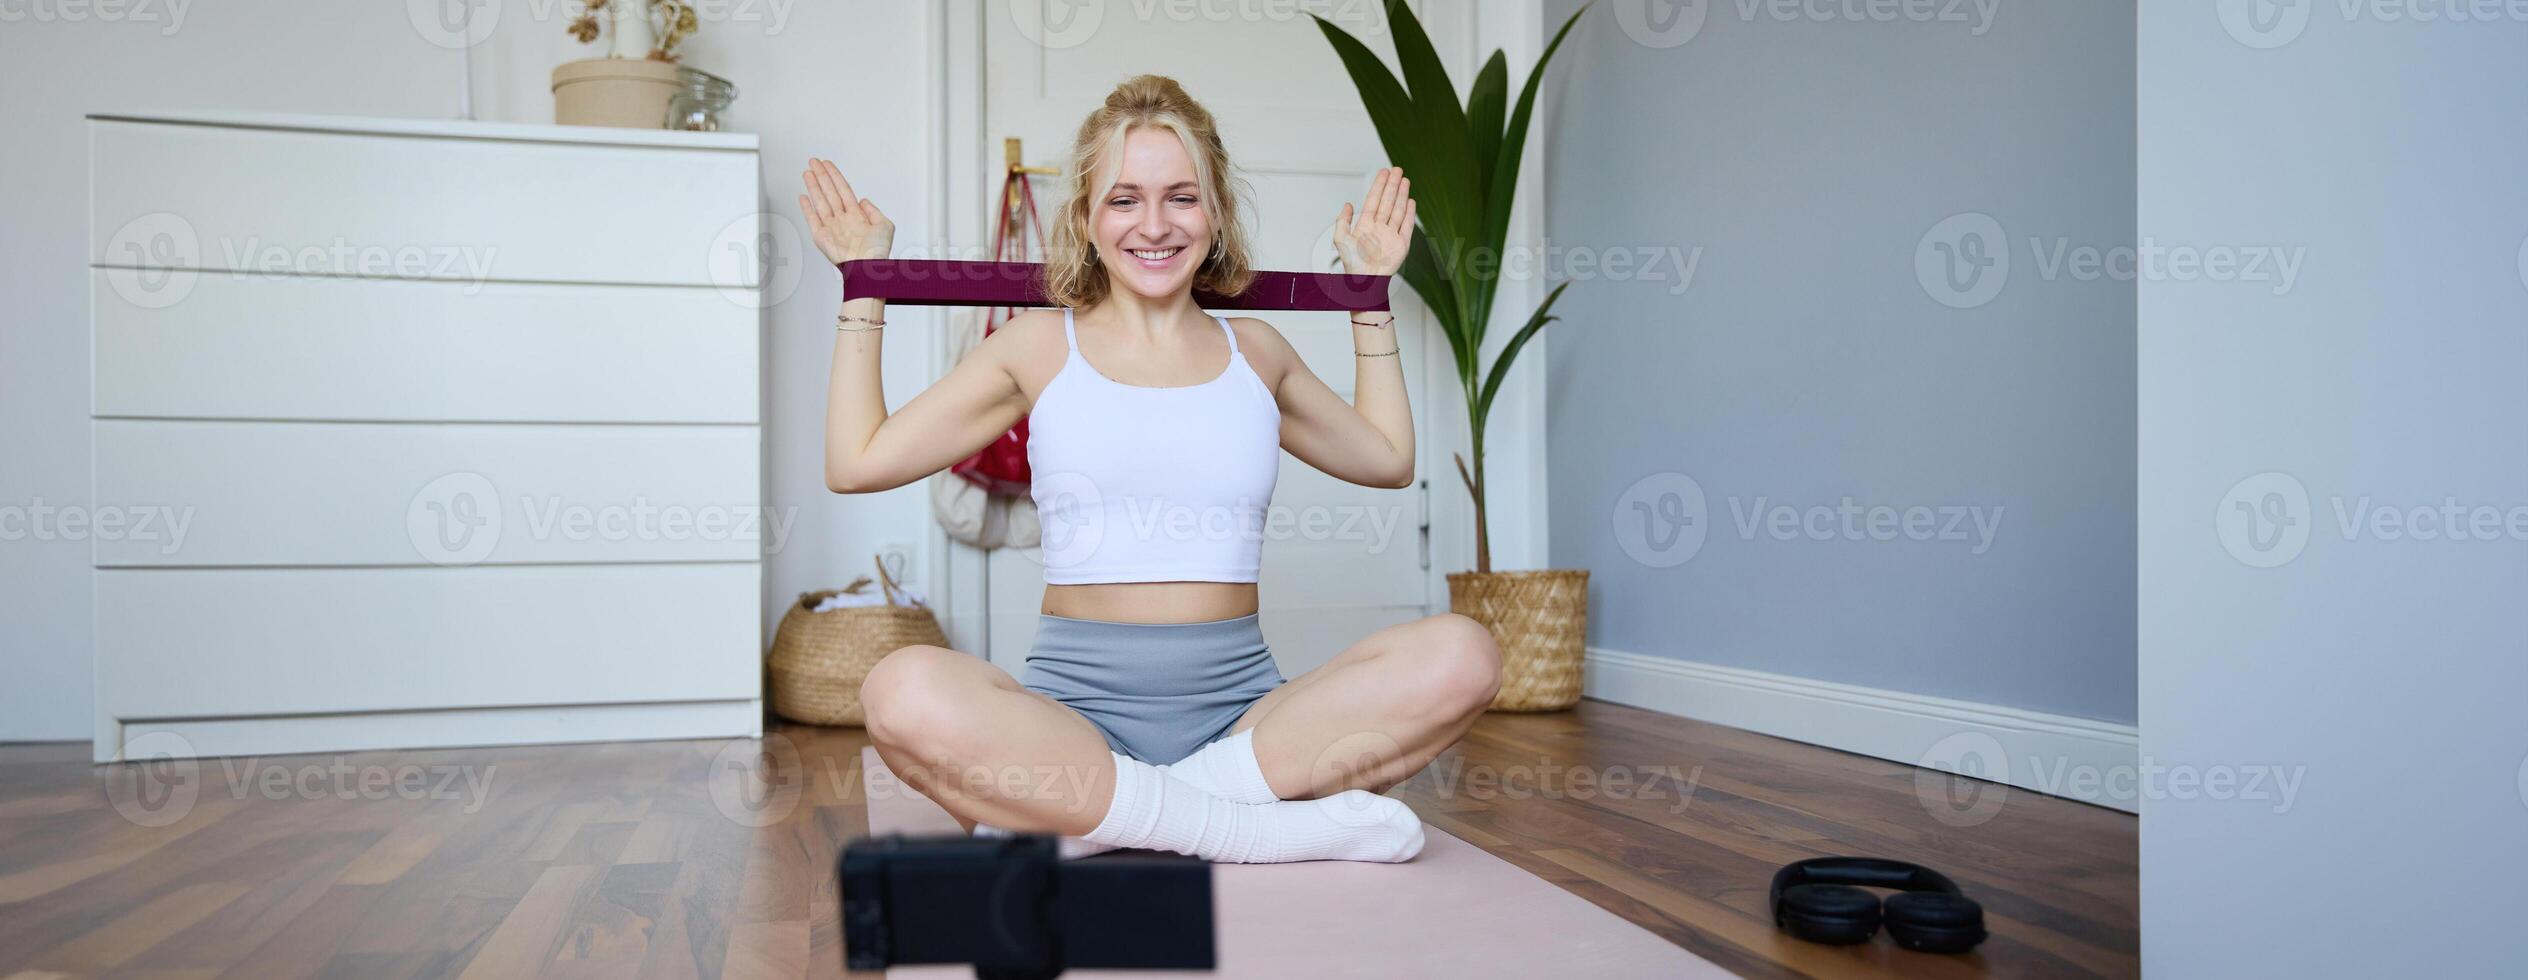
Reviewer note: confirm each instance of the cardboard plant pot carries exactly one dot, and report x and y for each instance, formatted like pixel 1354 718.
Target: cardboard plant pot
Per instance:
pixel 629 93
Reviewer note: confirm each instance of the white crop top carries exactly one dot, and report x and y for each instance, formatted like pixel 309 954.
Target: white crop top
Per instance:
pixel 1143 484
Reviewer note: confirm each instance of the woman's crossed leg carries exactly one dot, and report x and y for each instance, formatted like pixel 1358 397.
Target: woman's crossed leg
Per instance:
pixel 1379 711
pixel 965 734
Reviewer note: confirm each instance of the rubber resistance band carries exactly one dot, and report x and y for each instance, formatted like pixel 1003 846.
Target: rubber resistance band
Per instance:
pixel 945 282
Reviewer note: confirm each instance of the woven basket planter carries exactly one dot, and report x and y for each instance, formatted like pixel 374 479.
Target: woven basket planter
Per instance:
pixel 1540 618
pixel 819 658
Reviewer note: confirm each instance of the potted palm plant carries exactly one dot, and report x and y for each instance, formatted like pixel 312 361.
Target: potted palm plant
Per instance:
pixel 1464 161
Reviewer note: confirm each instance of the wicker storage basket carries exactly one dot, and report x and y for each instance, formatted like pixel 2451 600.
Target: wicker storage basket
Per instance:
pixel 819 658
pixel 1541 620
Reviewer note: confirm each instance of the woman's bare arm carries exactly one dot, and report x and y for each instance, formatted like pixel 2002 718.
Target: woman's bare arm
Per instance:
pixel 866 449
pixel 963 412
pixel 1370 441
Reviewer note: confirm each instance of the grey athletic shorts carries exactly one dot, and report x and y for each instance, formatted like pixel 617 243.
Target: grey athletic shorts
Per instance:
pixel 1158 691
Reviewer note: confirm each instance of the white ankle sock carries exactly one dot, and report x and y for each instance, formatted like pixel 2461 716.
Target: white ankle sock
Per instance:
pixel 1155 810
pixel 1227 769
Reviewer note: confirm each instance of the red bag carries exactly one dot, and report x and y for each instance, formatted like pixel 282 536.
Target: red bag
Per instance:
pixel 1001 468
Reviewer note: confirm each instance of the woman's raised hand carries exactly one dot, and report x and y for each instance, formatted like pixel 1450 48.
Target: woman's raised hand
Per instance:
pixel 845 227
pixel 1373 242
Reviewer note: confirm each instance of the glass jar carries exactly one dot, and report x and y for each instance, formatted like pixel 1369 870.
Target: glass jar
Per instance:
pixel 699 98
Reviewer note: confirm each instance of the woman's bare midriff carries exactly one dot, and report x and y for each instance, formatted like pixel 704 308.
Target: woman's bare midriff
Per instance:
pixel 1152 602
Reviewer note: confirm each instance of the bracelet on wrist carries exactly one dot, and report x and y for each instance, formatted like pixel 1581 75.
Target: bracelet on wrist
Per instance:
pixel 840 318
pixel 1391 318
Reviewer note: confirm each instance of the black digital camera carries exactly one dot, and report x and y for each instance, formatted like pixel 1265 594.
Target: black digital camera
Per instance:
pixel 1013 909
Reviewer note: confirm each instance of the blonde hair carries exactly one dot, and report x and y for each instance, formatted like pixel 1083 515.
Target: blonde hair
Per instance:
pixel 1073 276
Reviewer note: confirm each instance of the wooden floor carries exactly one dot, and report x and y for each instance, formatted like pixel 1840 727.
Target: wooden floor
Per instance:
pixel 621 861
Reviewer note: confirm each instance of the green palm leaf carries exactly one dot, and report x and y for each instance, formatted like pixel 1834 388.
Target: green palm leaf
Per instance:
pixel 1391 108
pixel 1484 106
pixel 1505 167
pixel 1464 162
pixel 1449 182
pixel 1510 351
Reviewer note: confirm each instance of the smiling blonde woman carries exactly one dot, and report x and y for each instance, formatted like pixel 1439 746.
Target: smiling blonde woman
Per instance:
pixel 1150 713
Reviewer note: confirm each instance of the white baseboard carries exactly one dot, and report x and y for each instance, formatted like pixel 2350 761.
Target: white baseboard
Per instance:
pixel 2075 758
pixel 432 729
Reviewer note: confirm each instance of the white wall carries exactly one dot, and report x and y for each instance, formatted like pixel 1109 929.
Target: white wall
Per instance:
pixel 1797 166
pixel 851 82
pixel 2379 667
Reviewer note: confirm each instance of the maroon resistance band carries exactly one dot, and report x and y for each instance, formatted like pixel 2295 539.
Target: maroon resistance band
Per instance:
pixel 943 282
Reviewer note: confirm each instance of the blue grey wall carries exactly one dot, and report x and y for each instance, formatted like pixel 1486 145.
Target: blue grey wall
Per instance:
pixel 1813 359
pixel 2334 491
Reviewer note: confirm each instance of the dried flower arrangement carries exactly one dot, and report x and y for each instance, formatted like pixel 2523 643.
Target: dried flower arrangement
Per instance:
pixel 671 22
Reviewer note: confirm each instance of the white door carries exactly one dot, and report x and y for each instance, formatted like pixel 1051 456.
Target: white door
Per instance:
pixel 1339 560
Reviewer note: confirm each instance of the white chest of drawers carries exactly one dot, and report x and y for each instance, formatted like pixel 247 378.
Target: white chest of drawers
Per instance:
pixel 443 433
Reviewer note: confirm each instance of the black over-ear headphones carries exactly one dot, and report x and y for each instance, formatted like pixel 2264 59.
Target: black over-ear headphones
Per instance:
pixel 1819 900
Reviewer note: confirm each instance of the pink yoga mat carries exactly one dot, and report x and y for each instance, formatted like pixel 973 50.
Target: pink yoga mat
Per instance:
pixel 1452 911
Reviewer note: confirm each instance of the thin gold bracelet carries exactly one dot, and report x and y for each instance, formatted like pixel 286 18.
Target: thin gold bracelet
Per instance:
pixel 1391 318
pixel 872 324
pixel 1383 353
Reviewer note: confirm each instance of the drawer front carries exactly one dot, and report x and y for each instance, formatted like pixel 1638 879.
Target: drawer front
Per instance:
pixel 205 197
pixel 265 347
pixel 317 494
pixel 197 643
